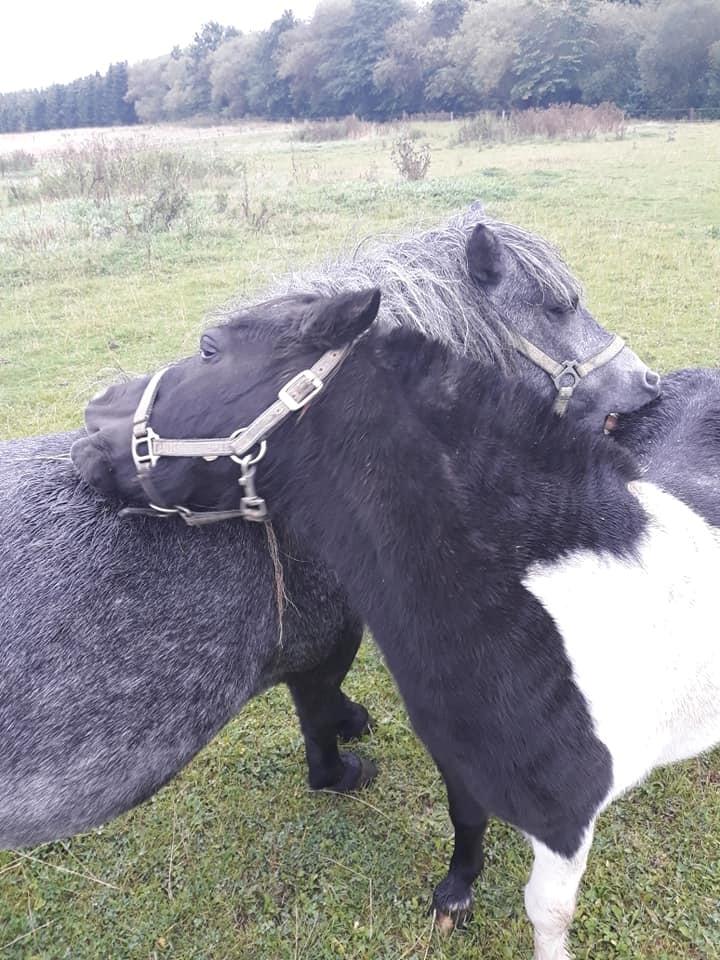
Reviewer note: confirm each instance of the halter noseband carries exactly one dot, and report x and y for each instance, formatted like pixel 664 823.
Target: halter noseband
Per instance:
pixel 147 447
pixel 565 374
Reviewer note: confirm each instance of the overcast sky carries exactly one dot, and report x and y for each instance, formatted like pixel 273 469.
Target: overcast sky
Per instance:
pixel 55 41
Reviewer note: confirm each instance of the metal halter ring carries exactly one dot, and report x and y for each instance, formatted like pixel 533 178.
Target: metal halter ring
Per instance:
pixel 247 460
pixel 568 368
pixel 171 511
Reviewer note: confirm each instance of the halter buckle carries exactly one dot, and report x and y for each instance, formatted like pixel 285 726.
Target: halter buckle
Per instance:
pixel 142 446
pixel 299 391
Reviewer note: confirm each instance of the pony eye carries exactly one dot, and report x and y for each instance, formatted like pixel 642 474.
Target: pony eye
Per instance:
pixel 562 309
pixel 207 348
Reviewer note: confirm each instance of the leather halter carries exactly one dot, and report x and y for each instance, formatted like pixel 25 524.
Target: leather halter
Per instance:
pixel 147 447
pixel 565 374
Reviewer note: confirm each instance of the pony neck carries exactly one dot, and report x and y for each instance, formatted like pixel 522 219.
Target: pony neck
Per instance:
pixel 420 468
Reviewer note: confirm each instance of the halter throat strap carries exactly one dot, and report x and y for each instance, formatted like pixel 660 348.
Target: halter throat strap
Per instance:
pixel 565 374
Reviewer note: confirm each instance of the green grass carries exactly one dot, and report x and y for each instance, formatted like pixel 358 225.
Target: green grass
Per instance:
pixel 236 859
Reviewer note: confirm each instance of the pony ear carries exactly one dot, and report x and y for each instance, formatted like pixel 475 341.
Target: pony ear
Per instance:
pixel 484 256
pixel 335 321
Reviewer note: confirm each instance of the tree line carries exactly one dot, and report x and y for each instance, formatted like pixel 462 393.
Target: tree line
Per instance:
pixel 98 100
pixel 384 58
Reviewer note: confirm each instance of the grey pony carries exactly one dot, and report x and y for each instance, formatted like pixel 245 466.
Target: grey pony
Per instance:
pixel 127 646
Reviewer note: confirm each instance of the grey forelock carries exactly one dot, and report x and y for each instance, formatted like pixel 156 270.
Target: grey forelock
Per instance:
pixel 539 260
pixel 425 285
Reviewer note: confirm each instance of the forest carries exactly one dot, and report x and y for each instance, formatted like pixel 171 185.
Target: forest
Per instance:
pixel 383 59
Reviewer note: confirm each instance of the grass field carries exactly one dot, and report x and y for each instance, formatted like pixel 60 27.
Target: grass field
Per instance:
pixel 235 859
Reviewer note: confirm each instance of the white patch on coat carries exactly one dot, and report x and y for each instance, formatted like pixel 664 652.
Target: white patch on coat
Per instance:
pixel 643 637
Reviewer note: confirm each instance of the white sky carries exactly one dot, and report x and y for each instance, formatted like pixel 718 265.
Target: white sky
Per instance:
pixel 55 41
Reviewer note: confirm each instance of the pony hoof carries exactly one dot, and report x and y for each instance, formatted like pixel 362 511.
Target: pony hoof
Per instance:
pixel 458 919
pixel 452 905
pixel 444 923
pixel 356 724
pixel 358 772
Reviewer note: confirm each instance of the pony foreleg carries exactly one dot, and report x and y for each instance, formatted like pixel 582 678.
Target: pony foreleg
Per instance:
pixel 550 896
pixel 325 714
pixel 354 721
pixel 453 897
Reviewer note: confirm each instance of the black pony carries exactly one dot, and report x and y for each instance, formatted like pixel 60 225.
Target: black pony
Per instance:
pixel 478 536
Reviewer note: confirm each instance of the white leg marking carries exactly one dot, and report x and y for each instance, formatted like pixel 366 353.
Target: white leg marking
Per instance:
pixel 550 897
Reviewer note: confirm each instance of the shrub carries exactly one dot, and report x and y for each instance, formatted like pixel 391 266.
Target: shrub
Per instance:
pixel 19 161
pixel 143 191
pixel 101 169
pixel 35 237
pixel 349 128
pixel 485 127
pixel 566 121
pixel 160 209
pixel 19 193
pixel 563 121
pixel 411 160
pixel 256 211
pixel 222 201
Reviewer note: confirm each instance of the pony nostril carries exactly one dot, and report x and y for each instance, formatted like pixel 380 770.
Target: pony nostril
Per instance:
pixel 652 380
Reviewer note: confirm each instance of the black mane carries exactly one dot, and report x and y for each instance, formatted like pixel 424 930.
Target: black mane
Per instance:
pixel 514 468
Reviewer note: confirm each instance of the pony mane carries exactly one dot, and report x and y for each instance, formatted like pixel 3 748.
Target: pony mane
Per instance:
pixel 426 283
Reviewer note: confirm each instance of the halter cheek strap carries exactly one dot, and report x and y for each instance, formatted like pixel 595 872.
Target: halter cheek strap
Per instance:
pixel 148 447
pixel 565 374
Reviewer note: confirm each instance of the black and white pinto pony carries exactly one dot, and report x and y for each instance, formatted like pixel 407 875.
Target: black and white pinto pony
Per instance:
pixel 128 644
pixel 479 537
